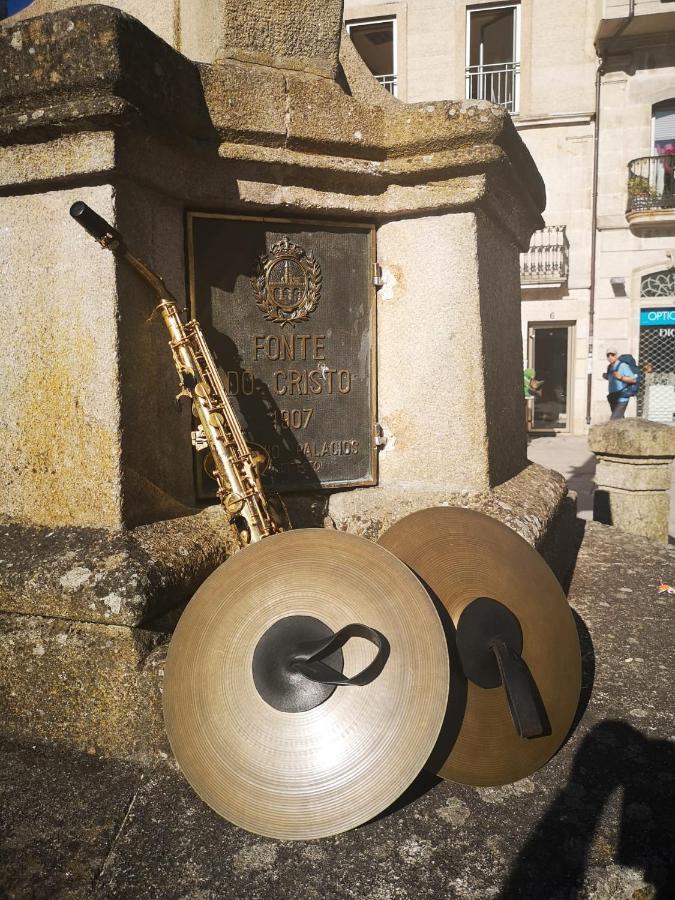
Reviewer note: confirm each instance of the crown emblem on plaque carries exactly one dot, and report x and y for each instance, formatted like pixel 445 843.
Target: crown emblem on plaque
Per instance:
pixel 287 284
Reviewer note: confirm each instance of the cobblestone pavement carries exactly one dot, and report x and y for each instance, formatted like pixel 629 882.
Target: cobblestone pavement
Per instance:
pixel 596 822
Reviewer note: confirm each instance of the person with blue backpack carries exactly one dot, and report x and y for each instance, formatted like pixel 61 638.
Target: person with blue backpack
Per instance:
pixel 623 375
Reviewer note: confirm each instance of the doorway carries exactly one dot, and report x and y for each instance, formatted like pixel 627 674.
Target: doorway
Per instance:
pixel 549 353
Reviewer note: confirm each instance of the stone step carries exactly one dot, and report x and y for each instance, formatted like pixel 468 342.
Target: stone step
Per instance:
pixel 85 619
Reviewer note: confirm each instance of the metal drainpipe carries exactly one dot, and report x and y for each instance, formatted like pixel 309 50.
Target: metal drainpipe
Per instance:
pixel 600 71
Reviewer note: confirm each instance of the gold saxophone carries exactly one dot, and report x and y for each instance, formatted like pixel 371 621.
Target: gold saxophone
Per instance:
pixel 236 468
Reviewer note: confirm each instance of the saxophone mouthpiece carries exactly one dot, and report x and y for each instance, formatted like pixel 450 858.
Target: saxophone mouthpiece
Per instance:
pixel 96 226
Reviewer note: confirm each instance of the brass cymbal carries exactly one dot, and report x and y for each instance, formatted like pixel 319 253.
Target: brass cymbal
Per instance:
pixel 322 770
pixel 462 555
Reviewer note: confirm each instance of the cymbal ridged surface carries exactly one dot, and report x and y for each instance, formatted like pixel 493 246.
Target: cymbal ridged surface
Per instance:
pixel 314 773
pixel 461 555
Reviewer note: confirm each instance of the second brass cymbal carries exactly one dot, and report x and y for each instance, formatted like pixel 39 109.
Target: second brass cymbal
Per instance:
pixel 339 759
pixel 497 589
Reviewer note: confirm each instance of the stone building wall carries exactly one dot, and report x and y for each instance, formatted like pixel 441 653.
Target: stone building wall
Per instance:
pixel 556 119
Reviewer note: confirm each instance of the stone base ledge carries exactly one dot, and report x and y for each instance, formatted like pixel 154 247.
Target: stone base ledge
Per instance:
pixel 112 577
pixel 535 504
pixel 92 687
pixel 643 513
pixel 528 503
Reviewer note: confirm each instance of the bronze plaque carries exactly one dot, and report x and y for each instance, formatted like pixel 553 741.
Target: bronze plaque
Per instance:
pixel 287 308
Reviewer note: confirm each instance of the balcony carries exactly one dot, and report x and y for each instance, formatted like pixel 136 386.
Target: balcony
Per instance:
pixel 546 263
pixel 650 17
pixel 388 82
pixel 651 192
pixel 496 82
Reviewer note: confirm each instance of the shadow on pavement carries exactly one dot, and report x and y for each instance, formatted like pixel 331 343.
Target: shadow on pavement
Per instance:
pixel 613 758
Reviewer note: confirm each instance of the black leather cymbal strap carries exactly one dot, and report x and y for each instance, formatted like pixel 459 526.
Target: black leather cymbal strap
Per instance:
pixel 298 662
pixel 489 644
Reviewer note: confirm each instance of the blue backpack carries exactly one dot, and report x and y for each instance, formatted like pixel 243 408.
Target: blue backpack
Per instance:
pixel 631 390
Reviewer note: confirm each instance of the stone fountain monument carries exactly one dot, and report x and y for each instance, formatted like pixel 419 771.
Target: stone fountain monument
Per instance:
pixel 248 156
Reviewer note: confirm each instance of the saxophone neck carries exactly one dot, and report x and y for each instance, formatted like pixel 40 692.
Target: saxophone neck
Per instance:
pixel 236 471
pixel 110 239
pixel 153 280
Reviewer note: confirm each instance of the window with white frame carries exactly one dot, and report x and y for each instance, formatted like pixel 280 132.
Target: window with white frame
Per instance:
pixel 493 54
pixel 663 127
pixel 663 131
pixel 375 40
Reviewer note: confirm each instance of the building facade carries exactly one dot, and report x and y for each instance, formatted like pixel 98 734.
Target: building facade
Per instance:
pixel 591 88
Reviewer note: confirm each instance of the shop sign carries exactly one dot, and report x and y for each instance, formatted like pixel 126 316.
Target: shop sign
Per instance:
pixel 657 317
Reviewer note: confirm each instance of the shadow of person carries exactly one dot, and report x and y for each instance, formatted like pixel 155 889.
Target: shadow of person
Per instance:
pixel 612 757
pixel 260 417
pixel 293 403
pixel 262 420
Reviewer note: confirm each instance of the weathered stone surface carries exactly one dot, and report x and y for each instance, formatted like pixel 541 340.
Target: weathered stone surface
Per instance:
pixel 87 65
pixel 638 512
pixel 434 355
pixel 321 117
pixel 633 437
pixel 557 545
pixel 596 822
pixel 59 816
pixel 81 685
pixel 233 91
pixel 64 157
pixel 285 35
pixel 159 15
pixel 90 428
pixel 59 417
pixel 64 86
pixel 633 475
pixel 112 577
pixel 528 503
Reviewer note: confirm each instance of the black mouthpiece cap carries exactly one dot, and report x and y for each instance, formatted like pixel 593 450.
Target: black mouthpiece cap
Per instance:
pixel 97 227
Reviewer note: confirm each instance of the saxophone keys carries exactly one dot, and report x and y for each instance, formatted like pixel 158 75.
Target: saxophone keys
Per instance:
pixel 209 464
pixel 233 503
pixel 202 390
pixel 260 459
pixel 216 419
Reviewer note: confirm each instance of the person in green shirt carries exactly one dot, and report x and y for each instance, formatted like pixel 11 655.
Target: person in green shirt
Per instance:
pixel 531 386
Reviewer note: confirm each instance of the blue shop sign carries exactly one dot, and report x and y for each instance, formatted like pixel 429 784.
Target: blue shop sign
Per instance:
pixel 657 317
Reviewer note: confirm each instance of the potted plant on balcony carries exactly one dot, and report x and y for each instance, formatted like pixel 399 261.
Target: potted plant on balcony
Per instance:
pixel 641 195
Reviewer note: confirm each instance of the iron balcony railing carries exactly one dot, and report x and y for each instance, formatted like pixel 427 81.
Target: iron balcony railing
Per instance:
pixel 388 82
pixel 497 82
pixel 651 184
pixel 547 260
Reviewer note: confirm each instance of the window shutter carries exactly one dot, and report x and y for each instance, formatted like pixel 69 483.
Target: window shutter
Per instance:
pixel 664 124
